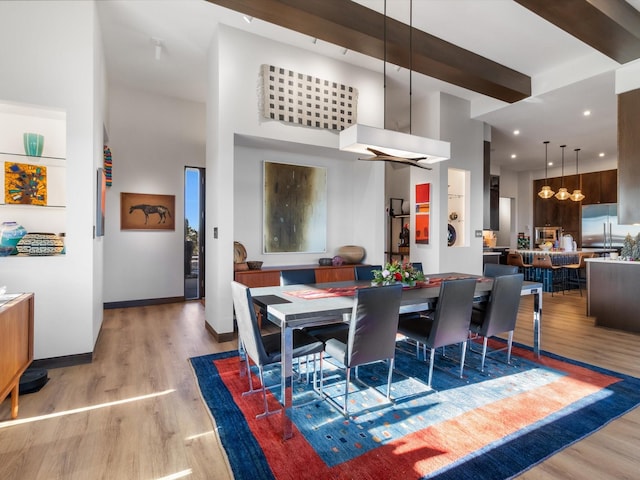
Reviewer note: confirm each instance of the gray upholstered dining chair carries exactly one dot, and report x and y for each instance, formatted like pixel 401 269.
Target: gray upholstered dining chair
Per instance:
pixel 297 277
pixel 496 269
pixel 493 270
pixel 371 336
pixel 365 272
pixel 447 325
pixel 500 315
pixel 265 350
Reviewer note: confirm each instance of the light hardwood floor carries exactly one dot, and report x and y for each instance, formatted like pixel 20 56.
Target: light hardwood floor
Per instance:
pixel 135 411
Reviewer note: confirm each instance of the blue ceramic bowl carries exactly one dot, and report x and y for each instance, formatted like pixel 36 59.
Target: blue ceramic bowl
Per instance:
pixel 6 250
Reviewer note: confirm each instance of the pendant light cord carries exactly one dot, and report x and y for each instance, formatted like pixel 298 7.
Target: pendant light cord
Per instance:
pixel 562 181
pixel 410 64
pixel 384 68
pixel 546 160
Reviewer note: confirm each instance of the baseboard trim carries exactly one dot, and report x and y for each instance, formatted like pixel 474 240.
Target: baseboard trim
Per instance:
pixel 142 303
pixel 219 337
pixel 64 361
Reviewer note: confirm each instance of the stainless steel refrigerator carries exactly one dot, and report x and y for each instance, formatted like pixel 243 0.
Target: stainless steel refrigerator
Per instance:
pixel 600 226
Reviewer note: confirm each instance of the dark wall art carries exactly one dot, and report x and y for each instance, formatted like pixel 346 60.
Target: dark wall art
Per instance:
pixel 295 208
pixel 141 211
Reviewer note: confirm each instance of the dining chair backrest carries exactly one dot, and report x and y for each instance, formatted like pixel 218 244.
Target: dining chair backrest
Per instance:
pixel 417 266
pixel 248 330
pixel 374 325
pixel 365 272
pixel 452 315
pixel 497 269
pixel 504 302
pixel 542 261
pixel 297 277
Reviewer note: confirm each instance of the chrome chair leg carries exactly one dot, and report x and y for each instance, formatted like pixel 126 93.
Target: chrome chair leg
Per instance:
pixel 346 391
pixel 391 364
pixel 462 355
pixel 433 358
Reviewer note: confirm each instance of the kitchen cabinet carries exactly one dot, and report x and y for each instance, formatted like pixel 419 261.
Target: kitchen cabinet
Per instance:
pixel 554 212
pixel 600 187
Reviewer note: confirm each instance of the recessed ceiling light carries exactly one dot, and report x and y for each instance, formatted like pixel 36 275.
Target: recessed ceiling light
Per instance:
pixel 516 132
pixel 513 155
pixel 247 18
pixel 601 154
pixel 586 113
pixel 550 164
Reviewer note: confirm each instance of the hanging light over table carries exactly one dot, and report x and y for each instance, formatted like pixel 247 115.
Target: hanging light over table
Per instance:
pixel 545 191
pixel 390 145
pixel 577 195
pixel 563 193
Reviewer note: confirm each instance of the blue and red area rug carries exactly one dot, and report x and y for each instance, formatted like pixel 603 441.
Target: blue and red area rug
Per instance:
pixel 489 425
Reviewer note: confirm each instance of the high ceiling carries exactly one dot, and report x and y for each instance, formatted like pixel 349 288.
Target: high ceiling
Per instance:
pixel 567 76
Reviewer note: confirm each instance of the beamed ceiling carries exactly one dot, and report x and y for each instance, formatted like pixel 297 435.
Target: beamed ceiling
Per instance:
pixel 610 26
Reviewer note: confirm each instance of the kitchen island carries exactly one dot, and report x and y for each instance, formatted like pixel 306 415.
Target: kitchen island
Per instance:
pixel 558 257
pixel 612 293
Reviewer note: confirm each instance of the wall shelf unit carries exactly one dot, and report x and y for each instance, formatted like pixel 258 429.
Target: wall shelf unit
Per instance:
pixel 395 221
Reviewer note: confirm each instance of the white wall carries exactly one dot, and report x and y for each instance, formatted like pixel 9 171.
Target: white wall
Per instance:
pixel 49 59
pixel 235 58
pixel 466 137
pixel 351 204
pixel 152 138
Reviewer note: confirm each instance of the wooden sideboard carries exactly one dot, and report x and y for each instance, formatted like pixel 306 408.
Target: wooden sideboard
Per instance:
pixel 270 276
pixel 16 345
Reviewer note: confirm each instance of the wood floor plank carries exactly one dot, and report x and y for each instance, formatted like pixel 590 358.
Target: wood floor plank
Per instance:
pixel 144 418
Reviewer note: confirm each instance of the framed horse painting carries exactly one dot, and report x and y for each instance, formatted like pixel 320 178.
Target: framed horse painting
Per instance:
pixel 142 211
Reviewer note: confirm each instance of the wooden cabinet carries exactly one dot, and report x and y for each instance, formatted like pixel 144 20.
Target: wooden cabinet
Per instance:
pixel 270 277
pixel 609 186
pixel 335 274
pixel 16 345
pixel 558 213
pixel 600 187
pixel 258 278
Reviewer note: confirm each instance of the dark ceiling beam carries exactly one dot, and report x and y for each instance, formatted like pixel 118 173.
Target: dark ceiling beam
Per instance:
pixel 610 26
pixel 360 29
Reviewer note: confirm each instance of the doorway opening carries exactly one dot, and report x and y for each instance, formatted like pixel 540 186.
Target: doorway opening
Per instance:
pixel 193 229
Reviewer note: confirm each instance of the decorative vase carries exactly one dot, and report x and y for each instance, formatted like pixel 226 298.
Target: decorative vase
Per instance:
pixel 33 144
pixel 10 235
pixel 351 253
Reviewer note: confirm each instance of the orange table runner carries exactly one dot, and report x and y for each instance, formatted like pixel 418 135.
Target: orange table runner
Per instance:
pixel 316 293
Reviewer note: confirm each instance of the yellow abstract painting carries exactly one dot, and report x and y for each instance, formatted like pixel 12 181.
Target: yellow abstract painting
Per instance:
pixel 25 184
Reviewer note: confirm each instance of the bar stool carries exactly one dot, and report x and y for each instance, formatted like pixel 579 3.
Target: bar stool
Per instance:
pixel 543 263
pixel 572 272
pixel 516 260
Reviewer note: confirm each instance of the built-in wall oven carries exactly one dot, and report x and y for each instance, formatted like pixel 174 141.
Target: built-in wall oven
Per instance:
pixel 548 234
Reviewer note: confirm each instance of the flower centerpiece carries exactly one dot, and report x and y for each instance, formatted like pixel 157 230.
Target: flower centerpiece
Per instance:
pixel 397 272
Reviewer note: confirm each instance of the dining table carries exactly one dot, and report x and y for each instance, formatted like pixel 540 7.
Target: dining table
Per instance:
pixel 297 306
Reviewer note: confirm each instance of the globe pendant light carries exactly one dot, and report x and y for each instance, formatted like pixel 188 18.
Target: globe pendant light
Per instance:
pixel 563 193
pixel 546 191
pixel 577 195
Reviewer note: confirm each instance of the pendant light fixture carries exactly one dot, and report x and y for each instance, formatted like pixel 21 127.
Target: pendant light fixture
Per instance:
pixel 390 145
pixel 545 191
pixel 577 195
pixel 563 193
